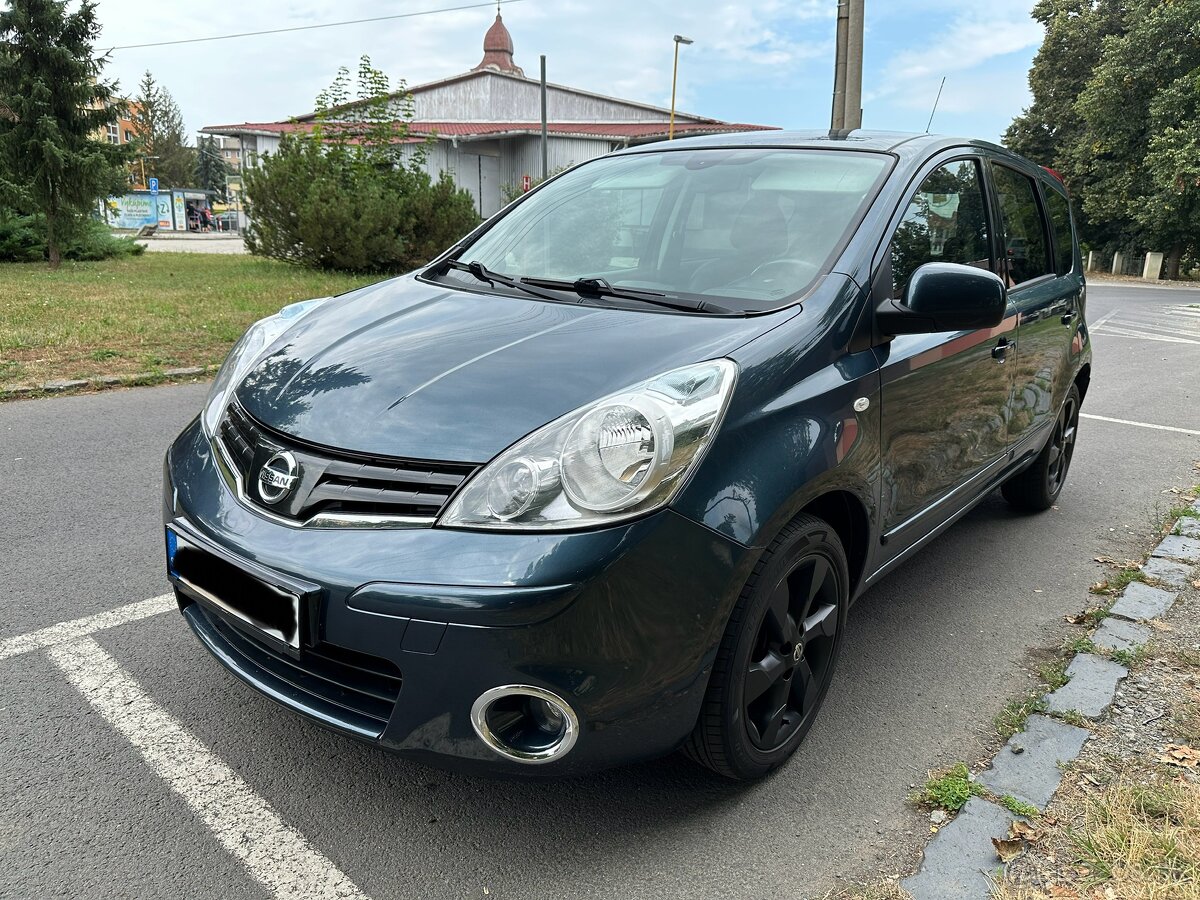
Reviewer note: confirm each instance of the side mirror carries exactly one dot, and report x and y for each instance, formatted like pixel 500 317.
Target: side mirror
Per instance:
pixel 945 297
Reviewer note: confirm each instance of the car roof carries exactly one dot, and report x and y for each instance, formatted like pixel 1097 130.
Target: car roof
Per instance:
pixel 906 145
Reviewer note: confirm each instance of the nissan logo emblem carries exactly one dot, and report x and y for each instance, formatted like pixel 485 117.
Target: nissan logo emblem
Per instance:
pixel 277 477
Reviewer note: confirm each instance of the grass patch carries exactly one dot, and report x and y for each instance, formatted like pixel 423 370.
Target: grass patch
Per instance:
pixel 1143 840
pixel 1018 807
pixel 951 790
pixel 1054 674
pixel 1072 717
pixel 135 314
pixel 1118 580
pixel 1013 716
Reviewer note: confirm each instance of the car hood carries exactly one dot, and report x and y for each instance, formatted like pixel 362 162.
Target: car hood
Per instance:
pixel 414 370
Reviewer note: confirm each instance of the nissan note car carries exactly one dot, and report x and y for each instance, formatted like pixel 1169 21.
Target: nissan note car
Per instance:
pixel 602 481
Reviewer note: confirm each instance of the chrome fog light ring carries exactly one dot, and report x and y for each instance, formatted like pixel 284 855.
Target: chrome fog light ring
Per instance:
pixel 511 701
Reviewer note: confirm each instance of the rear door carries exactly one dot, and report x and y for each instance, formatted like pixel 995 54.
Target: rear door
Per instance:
pixel 1040 269
pixel 945 396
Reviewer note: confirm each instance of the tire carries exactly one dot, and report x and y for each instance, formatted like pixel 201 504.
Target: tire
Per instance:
pixel 777 656
pixel 1037 487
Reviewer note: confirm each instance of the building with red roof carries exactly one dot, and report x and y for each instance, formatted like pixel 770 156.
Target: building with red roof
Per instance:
pixel 485 124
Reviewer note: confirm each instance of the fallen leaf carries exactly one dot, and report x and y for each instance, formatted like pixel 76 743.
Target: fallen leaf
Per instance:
pixel 1008 850
pixel 1023 831
pixel 1037 590
pixel 1160 626
pixel 1092 778
pixel 1063 892
pixel 1107 560
pixel 1181 755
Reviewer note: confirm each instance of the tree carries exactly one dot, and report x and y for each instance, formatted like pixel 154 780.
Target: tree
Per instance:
pixel 211 169
pixel 352 192
pixel 52 158
pixel 160 137
pixel 1140 149
pixel 1050 131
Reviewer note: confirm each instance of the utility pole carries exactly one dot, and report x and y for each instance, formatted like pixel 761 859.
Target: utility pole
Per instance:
pixel 847 71
pixel 545 142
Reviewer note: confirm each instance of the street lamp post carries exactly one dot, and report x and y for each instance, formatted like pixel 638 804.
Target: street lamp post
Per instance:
pixel 679 39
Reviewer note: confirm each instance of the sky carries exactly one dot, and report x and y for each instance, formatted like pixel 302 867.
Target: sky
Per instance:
pixel 766 62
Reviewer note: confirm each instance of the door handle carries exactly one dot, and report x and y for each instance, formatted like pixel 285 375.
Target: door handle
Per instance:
pixel 1002 348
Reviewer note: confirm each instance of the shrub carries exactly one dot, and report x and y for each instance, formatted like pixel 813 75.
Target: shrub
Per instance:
pixel 346 195
pixel 23 239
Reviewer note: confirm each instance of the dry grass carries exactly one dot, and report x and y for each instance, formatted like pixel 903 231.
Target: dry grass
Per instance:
pixel 140 314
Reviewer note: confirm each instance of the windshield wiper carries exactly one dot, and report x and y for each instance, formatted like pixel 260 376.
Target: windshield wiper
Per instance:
pixel 487 276
pixel 598 287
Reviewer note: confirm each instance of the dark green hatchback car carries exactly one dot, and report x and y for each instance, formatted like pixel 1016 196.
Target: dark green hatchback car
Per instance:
pixel 602 481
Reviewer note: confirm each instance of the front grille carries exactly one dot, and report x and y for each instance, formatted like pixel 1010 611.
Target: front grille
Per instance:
pixel 336 486
pixel 353 690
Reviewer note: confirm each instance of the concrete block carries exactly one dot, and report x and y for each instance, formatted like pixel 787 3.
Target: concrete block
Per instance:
pixel 1093 260
pixel 960 860
pixel 1092 686
pixel 1028 766
pixel 1152 267
pixel 1189 526
pixel 1118 263
pixel 1140 602
pixel 1172 574
pixel 64 384
pixel 180 373
pixel 1184 549
pixel 16 390
pixel 1117 634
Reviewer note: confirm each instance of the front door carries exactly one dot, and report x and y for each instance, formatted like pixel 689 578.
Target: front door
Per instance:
pixel 1044 288
pixel 945 396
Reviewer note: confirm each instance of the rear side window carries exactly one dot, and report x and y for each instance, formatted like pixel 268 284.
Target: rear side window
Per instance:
pixel 1027 255
pixel 945 222
pixel 1059 209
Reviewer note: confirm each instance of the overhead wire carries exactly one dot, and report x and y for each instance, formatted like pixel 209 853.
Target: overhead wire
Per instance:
pixel 244 34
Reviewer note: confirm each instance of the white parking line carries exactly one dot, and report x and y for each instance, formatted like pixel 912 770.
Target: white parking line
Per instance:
pixel 1140 424
pixel 1094 325
pixel 246 825
pixel 77 628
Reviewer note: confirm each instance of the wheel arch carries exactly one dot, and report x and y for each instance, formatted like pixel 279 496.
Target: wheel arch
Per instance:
pixel 848 516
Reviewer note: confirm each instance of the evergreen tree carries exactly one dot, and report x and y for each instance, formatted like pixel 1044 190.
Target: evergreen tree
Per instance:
pixel 160 136
pixel 211 169
pixel 54 160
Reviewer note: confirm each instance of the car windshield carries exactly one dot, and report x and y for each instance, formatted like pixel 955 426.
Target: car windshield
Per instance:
pixel 754 227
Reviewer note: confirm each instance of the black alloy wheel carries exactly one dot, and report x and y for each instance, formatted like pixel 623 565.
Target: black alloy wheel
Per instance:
pixel 778 654
pixel 793 653
pixel 1037 487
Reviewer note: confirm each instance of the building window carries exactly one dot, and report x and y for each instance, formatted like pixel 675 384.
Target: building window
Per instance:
pixel 128 136
pixel 114 134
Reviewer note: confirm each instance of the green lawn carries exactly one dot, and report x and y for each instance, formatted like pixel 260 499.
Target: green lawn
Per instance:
pixel 141 314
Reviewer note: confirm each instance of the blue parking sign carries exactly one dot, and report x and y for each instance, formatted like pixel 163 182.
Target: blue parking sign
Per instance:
pixel 153 182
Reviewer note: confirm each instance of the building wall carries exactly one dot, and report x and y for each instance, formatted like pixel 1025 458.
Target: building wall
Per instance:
pixel 488 97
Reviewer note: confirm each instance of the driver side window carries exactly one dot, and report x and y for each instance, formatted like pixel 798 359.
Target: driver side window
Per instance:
pixel 945 222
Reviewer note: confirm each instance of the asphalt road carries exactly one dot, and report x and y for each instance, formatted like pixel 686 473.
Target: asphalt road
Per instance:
pixel 932 654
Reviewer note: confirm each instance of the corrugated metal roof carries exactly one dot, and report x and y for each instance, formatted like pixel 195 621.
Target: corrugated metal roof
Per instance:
pixel 620 130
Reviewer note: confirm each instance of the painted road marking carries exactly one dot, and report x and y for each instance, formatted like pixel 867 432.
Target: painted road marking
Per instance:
pixel 1144 336
pixel 77 628
pixel 1140 424
pixel 275 854
pixel 1094 325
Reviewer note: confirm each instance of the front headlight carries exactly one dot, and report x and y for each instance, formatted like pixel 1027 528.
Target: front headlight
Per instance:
pixel 245 353
pixel 622 456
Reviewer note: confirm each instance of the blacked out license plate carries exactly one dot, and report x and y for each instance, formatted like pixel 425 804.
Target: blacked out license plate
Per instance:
pixel 271 609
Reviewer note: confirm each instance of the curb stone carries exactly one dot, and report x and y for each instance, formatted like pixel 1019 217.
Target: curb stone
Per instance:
pixel 1091 689
pixel 1189 526
pixel 70 385
pixel 1182 548
pixel 1117 634
pixel 1029 770
pixel 1172 574
pixel 1140 602
pixel 959 862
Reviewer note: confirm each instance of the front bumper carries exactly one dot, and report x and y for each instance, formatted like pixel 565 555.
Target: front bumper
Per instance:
pixel 623 623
